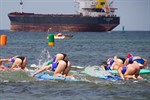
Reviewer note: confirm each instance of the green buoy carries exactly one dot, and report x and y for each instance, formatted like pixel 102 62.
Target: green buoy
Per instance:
pixel 123 29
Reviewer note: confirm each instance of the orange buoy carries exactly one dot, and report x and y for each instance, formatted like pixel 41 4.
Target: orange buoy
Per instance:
pixel 3 40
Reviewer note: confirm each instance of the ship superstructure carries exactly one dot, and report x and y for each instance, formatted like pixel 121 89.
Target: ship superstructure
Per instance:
pixel 96 8
pixel 92 16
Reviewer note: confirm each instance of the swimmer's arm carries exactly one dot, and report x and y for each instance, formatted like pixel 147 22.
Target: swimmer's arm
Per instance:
pixel 120 73
pixel 41 70
pixel 4 60
pixel 116 61
pixel 103 67
pixel 13 66
pixel 126 62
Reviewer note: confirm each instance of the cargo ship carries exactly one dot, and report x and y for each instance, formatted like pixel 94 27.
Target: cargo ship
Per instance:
pixel 92 16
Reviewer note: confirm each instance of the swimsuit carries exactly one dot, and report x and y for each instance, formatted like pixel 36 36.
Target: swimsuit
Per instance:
pixel 55 64
pixel 108 67
pixel 124 69
pixel 54 58
pixel 12 59
pixel 131 60
pixel 111 61
pixel 123 59
pixel 20 57
pixel 141 61
pixel 138 60
pixel 64 59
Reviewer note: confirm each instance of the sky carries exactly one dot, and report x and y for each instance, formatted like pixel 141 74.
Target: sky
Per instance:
pixel 134 14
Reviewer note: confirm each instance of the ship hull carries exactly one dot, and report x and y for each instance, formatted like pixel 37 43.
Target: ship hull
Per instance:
pixel 61 23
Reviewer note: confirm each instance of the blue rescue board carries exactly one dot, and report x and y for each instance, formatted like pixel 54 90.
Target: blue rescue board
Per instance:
pixel 142 71
pixel 110 77
pixel 45 76
pixel 104 75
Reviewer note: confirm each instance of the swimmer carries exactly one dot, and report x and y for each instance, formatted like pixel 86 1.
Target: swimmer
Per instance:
pixel 111 64
pixel 131 71
pixel 60 66
pixel 18 62
pixel 130 59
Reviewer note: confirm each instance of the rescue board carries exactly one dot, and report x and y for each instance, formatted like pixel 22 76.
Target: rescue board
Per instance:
pixel 45 76
pixel 142 71
pixel 104 75
pixel 110 77
pixel 3 68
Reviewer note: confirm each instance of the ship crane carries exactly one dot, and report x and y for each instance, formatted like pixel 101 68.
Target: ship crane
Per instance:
pixel 21 6
pixel 95 8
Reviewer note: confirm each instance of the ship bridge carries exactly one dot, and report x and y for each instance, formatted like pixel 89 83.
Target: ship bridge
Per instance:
pixel 95 8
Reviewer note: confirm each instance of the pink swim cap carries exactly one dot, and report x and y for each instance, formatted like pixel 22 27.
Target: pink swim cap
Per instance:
pixel 129 55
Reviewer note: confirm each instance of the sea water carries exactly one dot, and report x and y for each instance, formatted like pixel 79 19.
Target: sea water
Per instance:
pixel 85 49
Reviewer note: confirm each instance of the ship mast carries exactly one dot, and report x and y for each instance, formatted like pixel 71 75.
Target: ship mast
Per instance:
pixel 21 6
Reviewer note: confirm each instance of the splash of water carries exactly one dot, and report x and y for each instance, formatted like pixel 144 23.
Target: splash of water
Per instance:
pixel 44 58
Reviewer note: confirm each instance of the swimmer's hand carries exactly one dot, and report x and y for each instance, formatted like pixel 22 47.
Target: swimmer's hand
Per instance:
pixel 32 75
